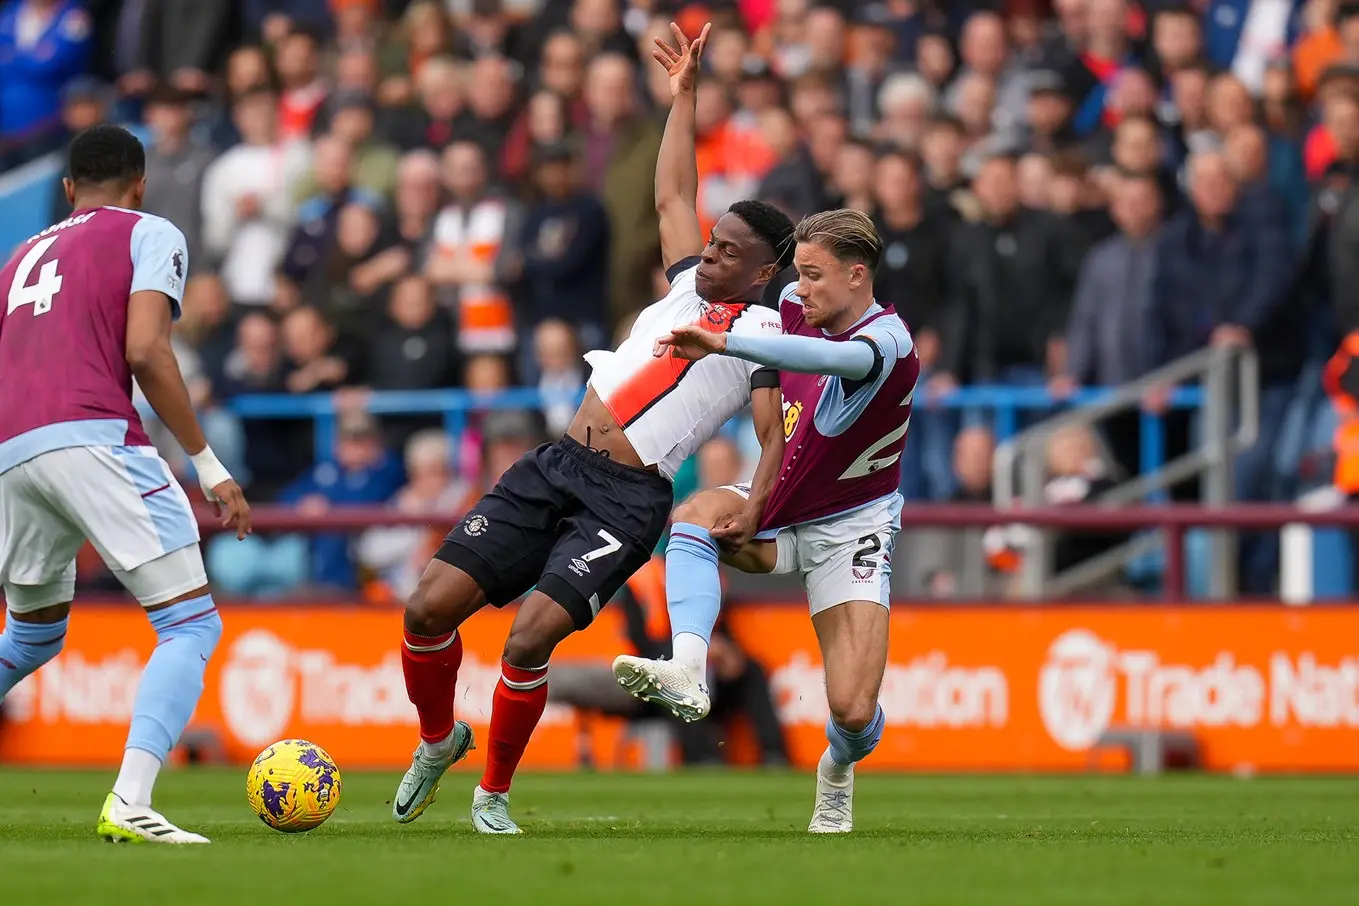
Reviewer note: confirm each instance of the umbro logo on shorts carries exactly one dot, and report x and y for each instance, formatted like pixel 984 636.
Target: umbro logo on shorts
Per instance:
pixel 579 567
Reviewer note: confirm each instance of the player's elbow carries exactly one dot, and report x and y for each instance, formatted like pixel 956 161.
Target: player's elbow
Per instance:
pixel 144 358
pixel 669 201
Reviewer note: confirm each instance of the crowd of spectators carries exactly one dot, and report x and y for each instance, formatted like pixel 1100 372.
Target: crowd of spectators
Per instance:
pixel 409 195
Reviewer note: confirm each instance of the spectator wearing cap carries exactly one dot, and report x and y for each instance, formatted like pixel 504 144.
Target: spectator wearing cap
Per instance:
pixel 183 41
pixel 43 45
pixel 176 164
pixel 561 252
pixel 1048 124
pixel 361 472
pixel 463 255
pixel 248 212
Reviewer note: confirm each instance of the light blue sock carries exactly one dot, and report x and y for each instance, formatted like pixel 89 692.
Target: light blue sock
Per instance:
pixel 693 592
pixel 173 678
pixel 848 748
pixel 24 647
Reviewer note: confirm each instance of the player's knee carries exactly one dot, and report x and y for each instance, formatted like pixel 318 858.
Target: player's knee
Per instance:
pixel 704 509
pixel 528 647
pixel 429 611
pixel 853 713
pixel 540 625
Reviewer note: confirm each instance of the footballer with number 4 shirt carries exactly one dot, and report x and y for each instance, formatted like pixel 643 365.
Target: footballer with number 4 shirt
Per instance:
pixel 573 520
pixel 848 369
pixel 88 307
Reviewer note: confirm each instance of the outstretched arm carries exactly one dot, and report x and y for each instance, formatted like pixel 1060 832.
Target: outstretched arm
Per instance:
pixel 676 164
pixel 852 359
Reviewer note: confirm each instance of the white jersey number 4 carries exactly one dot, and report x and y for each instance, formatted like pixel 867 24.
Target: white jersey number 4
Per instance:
pixel 40 294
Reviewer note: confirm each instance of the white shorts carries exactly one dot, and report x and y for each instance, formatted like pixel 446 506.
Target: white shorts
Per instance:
pixel 123 499
pixel 842 558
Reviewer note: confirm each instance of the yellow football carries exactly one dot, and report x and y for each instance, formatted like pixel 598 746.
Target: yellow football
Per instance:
pixel 293 786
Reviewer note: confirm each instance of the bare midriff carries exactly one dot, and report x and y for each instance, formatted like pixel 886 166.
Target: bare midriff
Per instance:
pixel 595 427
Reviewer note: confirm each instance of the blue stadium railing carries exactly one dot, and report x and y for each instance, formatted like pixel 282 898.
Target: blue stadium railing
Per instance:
pixel 1006 405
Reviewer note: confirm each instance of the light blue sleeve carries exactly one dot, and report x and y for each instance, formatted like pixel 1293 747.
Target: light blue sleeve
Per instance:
pixel 160 259
pixel 840 406
pixel 808 355
pixel 891 337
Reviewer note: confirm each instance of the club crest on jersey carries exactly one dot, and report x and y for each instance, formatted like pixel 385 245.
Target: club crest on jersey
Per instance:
pixel 792 414
pixel 718 314
pixel 476 525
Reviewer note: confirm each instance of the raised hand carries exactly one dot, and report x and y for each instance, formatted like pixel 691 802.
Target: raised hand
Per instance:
pixel 681 59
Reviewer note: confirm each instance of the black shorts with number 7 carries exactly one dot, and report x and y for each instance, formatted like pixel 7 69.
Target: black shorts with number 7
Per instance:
pixel 564 518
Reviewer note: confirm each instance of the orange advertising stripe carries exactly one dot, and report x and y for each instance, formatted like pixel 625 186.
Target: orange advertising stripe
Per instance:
pixel 661 375
pixel 1001 688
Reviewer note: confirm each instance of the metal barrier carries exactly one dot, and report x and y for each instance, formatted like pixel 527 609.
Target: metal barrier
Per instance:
pixel 1006 403
pixel 1230 406
pixel 1171 520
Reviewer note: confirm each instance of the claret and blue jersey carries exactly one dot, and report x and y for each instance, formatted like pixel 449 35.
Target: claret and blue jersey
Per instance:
pixel 844 437
pixel 64 377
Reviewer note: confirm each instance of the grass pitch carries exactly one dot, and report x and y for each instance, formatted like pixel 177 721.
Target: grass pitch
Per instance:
pixel 700 838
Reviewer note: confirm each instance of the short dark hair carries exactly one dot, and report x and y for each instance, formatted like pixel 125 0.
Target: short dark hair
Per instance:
pixel 104 154
pixel 771 225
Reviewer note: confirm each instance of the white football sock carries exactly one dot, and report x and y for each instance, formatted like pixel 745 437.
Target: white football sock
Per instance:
pixel 832 769
pixel 441 749
pixel 691 652
pixel 137 777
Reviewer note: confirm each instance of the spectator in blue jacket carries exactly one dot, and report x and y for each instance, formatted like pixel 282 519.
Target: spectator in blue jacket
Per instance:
pixel 363 473
pixel 43 45
pixel 1224 269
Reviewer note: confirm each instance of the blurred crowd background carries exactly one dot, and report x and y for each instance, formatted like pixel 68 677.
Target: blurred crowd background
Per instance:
pixel 415 195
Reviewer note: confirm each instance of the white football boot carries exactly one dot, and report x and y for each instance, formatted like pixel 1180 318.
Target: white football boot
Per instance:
pixel 491 813
pixel 834 809
pixel 123 823
pixel 420 785
pixel 664 682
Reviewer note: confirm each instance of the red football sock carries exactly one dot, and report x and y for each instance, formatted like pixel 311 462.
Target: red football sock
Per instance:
pixel 430 664
pixel 520 697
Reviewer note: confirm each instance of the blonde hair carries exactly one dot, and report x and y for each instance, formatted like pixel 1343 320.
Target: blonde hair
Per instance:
pixel 847 234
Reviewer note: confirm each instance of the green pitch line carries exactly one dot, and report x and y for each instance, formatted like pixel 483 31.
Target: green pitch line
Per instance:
pixel 707 838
